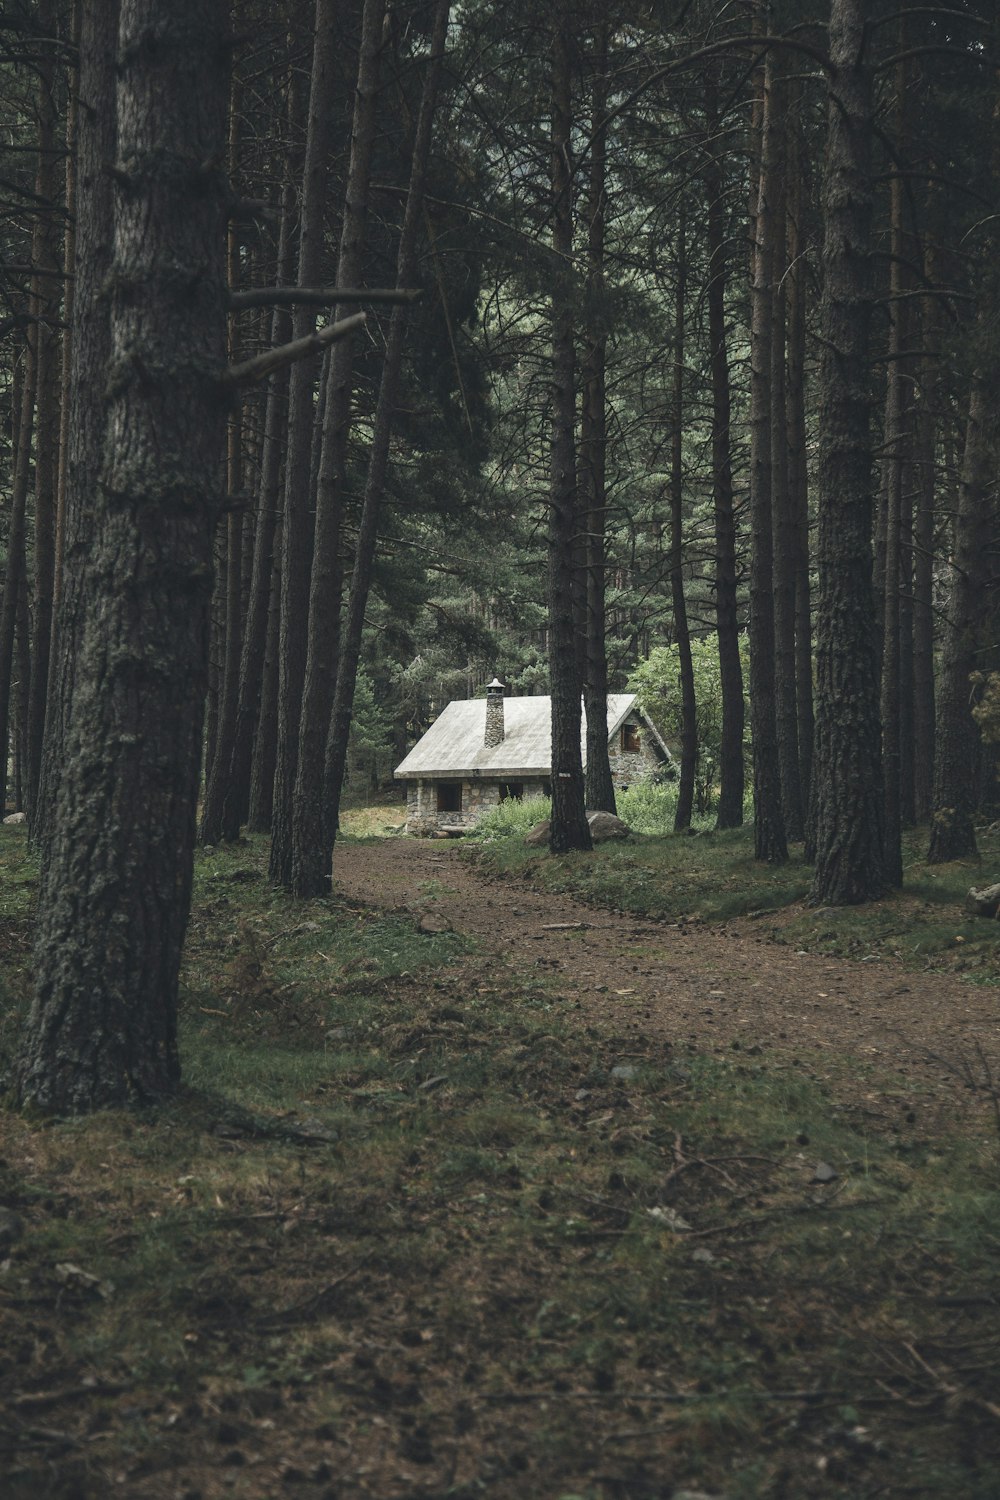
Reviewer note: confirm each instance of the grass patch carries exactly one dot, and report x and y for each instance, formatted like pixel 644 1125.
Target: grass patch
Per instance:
pixel 408 1234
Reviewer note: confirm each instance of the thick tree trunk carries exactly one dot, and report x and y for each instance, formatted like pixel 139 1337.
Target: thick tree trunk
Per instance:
pixel 311 848
pixel 847 768
pixel 569 828
pixel 955 781
pixel 297 530
pixel 732 772
pixel 769 827
pixel 116 891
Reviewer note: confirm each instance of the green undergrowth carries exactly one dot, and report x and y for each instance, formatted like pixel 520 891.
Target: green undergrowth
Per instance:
pixel 413 1230
pixel 713 877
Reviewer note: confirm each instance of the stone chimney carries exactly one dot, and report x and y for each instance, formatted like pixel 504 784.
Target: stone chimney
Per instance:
pixel 494 714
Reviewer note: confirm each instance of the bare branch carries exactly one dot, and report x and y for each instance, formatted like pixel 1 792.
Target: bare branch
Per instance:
pixel 252 370
pixel 317 296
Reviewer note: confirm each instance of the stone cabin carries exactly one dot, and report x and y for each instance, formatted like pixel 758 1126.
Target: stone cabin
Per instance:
pixel 478 752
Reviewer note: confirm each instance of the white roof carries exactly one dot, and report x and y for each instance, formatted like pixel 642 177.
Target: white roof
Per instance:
pixel 453 746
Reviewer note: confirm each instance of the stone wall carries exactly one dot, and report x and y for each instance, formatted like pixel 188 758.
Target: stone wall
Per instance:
pixel 628 768
pixel 422 816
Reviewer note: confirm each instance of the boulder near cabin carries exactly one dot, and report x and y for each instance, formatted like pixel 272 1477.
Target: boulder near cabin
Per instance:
pixel 480 751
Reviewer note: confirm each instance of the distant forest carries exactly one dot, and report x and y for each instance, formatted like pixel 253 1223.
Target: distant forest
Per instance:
pixel 358 352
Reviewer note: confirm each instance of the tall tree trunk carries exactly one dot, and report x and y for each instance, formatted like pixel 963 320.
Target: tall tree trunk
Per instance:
pixel 798 467
pixel 682 633
pixel 116 891
pixel 218 769
pixel 784 519
pixel 247 765
pixel 769 826
pixel 569 828
pixel 297 529
pixel 847 769
pixel 86 394
pixel 955 782
pixel 14 574
pixel 47 259
pixel 731 762
pixel 265 744
pixel 894 460
pixel 923 567
pixel 378 462
pixel 599 787
pixel 311 848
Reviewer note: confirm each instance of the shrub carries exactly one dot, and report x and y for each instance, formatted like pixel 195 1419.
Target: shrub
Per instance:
pixel 513 817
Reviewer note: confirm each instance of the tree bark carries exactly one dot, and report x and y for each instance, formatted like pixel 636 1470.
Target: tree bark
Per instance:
pixel 847 768
pixel 231 601
pixel 86 394
pixel 388 396
pixel 568 828
pixel 769 827
pixel 599 787
pixel 297 529
pixel 255 733
pixel 798 467
pixel 784 519
pixel 955 781
pixel 311 845
pixel 732 771
pixel 45 306
pixel 14 574
pixel 115 893
pixel 682 633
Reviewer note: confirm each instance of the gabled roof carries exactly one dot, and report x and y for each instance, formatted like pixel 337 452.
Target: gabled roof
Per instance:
pixel 453 746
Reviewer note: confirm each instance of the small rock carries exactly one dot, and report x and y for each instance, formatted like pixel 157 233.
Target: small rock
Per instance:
pixel 536 837
pixel 984 902
pixel 703 1257
pixel 825 1173
pixel 430 924
pixel 604 826
pixel 14 820
pixel 625 1072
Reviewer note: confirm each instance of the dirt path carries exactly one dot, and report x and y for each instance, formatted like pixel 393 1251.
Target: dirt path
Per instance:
pixel 872 1029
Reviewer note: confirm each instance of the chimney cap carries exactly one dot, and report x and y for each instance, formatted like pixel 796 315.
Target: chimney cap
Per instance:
pixel 496 683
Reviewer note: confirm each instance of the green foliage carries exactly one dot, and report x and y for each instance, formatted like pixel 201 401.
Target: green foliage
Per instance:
pixel 657 683
pixel 513 818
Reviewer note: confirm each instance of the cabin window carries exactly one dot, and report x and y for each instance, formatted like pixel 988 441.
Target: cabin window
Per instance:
pixel 512 791
pixel 631 740
pixel 449 795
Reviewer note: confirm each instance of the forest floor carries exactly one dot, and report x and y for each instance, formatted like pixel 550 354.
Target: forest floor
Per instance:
pixel 866 1026
pixel 478 1189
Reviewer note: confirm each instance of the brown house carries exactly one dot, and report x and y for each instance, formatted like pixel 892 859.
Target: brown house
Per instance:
pixel 478 752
